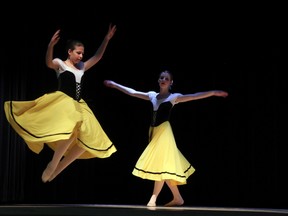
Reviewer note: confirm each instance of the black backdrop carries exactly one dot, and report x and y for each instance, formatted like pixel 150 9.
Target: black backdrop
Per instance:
pixel 237 144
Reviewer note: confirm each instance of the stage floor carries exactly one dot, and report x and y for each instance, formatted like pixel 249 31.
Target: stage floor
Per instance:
pixel 133 210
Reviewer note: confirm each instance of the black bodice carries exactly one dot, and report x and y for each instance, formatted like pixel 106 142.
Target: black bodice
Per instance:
pixel 67 84
pixel 162 114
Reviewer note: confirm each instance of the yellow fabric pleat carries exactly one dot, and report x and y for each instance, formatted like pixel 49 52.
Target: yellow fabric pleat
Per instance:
pixel 161 159
pixel 55 116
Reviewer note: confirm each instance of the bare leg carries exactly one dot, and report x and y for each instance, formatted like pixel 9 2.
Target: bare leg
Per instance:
pixel 158 185
pixel 73 154
pixel 177 198
pixel 61 148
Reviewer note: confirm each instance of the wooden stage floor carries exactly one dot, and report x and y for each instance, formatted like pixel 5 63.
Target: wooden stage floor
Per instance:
pixel 131 210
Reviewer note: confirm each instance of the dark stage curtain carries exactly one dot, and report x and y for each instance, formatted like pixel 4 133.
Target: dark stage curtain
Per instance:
pixel 12 148
pixel 238 145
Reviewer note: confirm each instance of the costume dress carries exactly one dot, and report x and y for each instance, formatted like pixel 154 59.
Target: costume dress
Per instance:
pixel 57 115
pixel 161 159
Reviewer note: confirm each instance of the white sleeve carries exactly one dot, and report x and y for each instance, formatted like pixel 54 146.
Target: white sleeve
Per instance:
pixel 152 94
pixel 174 96
pixel 61 65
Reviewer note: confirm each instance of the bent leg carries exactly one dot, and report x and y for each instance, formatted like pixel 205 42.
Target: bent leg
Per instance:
pixel 158 185
pixel 73 154
pixel 61 148
pixel 177 198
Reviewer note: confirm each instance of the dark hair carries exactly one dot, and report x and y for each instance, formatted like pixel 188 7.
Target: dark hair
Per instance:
pixel 72 44
pixel 169 72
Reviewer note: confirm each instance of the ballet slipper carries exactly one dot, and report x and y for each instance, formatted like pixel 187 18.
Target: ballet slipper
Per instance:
pixel 175 203
pixel 47 173
pixel 151 204
pixel 151 207
pixel 52 177
pixel 152 201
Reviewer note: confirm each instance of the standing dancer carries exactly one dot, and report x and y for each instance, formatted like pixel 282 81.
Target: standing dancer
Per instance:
pixel 161 160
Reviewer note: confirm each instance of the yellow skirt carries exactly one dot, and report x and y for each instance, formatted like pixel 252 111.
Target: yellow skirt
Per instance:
pixel 55 116
pixel 162 160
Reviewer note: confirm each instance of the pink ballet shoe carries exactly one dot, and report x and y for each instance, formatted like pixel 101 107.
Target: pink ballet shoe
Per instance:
pixel 151 204
pixel 47 173
pixel 174 203
pixel 152 201
pixel 52 177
